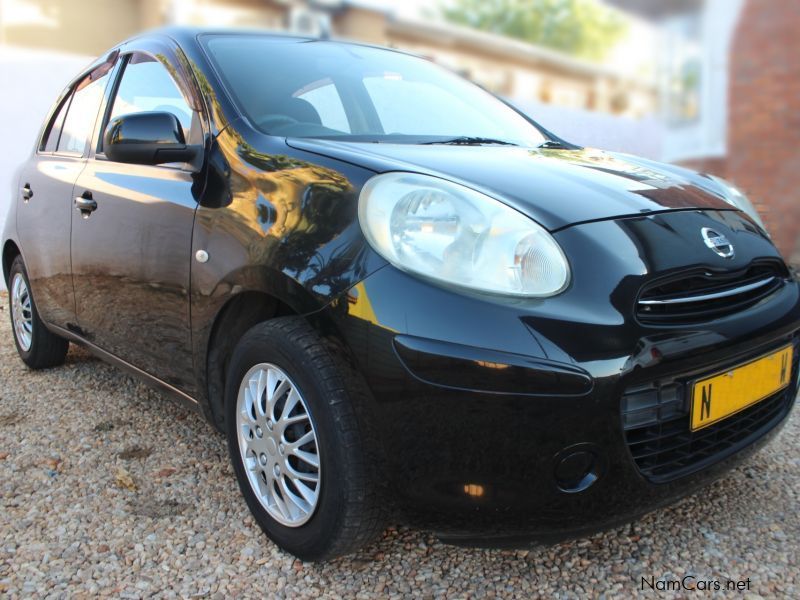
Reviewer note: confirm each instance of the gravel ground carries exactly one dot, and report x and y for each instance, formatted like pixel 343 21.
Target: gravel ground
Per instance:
pixel 108 489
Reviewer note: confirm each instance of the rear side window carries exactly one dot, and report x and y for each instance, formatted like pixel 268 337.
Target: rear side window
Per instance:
pixel 82 114
pixel 146 85
pixel 50 140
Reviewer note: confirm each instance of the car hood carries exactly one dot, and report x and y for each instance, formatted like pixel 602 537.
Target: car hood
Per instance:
pixel 557 188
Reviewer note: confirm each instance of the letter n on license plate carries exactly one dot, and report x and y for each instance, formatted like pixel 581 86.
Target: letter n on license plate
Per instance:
pixel 725 394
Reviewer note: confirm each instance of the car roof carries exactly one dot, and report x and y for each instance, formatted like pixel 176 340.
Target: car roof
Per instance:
pixel 187 35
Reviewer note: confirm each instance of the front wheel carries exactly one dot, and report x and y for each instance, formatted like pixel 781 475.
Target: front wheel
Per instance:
pixel 300 441
pixel 38 347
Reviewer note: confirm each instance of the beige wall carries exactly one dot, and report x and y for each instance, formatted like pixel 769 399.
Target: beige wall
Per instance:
pixel 228 13
pixel 93 26
pixel 364 25
pixel 78 26
pixel 527 80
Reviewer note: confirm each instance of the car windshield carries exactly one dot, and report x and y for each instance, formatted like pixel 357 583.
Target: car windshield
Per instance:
pixel 319 89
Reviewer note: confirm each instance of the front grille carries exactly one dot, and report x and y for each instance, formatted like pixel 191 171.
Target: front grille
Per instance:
pixel 658 434
pixel 700 296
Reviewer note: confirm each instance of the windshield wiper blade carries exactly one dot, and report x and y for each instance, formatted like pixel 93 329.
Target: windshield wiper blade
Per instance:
pixel 466 140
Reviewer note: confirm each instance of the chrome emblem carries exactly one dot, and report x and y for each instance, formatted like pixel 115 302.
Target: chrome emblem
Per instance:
pixel 717 242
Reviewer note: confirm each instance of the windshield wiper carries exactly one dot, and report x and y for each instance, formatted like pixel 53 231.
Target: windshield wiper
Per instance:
pixel 466 140
pixel 556 145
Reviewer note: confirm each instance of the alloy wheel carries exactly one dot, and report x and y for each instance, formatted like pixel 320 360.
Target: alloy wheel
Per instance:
pixel 21 312
pixel 278 445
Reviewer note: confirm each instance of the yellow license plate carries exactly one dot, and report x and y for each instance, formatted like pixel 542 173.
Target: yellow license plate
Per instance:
pixel 722 395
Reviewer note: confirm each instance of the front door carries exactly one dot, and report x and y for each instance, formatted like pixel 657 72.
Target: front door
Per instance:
pixel 132 239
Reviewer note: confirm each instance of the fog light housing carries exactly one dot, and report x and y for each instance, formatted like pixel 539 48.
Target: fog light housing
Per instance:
pixel 578 467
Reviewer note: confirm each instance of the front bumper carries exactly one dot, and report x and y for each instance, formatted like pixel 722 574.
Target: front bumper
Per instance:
pixel 501 419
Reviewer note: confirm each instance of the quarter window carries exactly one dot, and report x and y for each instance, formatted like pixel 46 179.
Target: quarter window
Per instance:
pixel 50 141
pixel 82 113
pixel 146 85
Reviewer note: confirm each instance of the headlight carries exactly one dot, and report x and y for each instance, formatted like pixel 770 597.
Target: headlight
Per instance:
pixel 736 198
pixel 450 233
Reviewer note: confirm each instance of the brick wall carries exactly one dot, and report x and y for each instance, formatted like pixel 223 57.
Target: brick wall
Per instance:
pixel 764 121
pixel 715 166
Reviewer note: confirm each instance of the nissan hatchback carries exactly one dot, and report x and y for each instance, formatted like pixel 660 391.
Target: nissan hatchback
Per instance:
pixel 392 291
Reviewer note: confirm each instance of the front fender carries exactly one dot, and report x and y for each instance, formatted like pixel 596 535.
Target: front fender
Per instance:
pixel 276 222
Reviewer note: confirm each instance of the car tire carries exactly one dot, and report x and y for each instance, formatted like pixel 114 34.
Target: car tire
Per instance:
pixel 293 361
pixel 38 347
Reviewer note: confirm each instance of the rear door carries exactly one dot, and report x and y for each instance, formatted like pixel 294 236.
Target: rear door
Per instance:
pixel 131 254
pixel 45 210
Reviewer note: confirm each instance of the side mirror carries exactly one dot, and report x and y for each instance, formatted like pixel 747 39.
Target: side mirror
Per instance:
pixel 147 138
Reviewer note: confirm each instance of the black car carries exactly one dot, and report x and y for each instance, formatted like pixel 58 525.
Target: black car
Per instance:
pixel 392 290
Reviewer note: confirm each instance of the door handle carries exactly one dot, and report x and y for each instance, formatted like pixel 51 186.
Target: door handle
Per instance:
pixel 85 204
pixel 27 192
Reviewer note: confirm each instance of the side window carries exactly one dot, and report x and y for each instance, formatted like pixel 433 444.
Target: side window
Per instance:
pixel 50 139
pixel 146 85
pixel 82 113
pixel 322 95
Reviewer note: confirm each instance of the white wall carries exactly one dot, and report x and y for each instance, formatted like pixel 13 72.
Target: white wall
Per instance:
pixel 643 137
pixel 30 81
pixel 707 137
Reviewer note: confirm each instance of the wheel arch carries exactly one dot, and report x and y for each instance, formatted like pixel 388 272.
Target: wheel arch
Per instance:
pixel 10 252
pixel 239 313
pixel 234 318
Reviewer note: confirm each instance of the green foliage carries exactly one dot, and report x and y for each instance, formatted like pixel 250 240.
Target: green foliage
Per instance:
pixel 584 28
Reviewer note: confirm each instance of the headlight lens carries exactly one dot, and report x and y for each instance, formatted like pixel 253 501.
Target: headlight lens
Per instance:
pixel 445 231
